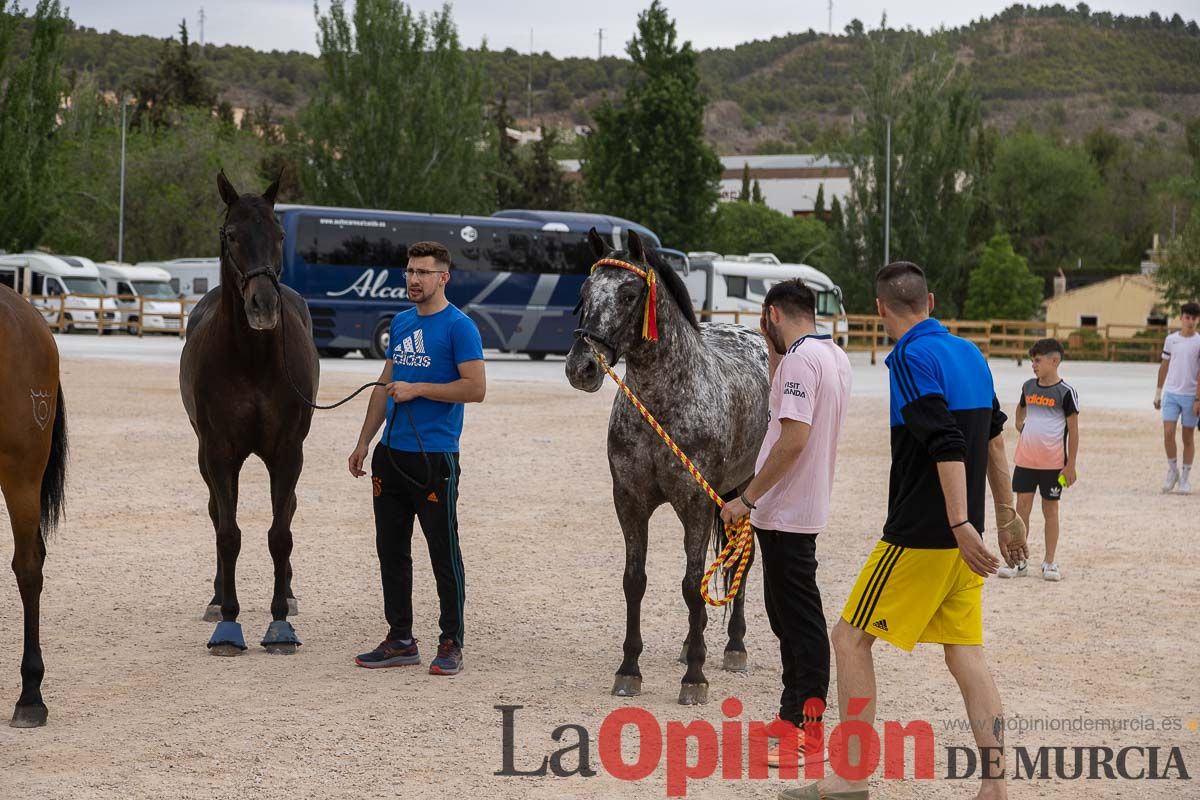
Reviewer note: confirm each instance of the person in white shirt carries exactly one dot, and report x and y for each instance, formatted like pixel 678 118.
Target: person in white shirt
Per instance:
pixel 1176 396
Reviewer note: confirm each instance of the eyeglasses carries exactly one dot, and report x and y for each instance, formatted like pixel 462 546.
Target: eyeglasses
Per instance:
pixel 422 273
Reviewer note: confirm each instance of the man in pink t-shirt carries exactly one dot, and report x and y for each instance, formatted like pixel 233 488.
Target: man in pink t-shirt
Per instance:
pixel 788 499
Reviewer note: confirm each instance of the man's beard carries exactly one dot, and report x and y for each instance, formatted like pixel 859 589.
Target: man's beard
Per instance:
pixel 776 342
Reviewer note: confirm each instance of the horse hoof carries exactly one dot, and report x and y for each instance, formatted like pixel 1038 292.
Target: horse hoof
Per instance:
pixel 225 650
pixel 280 638
pixel 693 694
pixel 227 639
pixel 29 717
pixel 735 661
pixel 212 613
pixel 627 685
pixel 293 607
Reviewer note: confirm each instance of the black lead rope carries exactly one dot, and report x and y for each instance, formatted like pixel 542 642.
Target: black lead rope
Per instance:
pixel 243 279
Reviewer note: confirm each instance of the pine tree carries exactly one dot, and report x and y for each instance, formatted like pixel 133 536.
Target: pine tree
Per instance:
pixel 756 195
pixel 647 159
pixel 819 204
pixel 745 195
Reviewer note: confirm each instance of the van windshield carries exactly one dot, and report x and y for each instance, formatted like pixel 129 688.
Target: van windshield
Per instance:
pixel 154 289
pixel 84 286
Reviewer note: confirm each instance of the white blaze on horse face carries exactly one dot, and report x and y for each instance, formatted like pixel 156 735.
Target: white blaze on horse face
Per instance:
pixel 41 407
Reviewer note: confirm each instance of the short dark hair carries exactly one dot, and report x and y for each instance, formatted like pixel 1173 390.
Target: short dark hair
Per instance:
pixel 436 250
pixel 1045 347
pixel 793 298
pixel 901 286
pixel 1191 309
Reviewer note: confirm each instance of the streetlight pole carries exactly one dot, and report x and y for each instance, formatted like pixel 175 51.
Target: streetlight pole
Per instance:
pixel 121 211
pixel 887 199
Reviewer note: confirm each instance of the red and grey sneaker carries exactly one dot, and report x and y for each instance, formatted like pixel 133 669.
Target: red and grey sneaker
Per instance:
pixel 390 653
pixel 449 659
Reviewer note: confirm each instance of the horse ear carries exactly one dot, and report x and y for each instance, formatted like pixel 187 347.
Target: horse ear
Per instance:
pixel 273 190
pixel 228 193
pixel 599 248
pixel 636 252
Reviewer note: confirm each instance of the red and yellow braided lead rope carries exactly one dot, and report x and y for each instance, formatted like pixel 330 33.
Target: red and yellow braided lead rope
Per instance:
pixel 739 537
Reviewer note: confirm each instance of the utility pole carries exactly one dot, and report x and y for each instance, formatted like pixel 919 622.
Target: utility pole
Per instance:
pixel 830 19
pixel 121 207
pixel 202 31
pixel 887 199
pixel 529 84
pixel 600 44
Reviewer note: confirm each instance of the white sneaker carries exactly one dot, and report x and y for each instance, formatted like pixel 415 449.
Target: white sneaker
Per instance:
pixel 1171 479
pixel 1050 573
pixel 1185 485
pixel 1019 571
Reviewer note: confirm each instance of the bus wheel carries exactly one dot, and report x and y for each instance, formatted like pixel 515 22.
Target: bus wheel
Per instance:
pixel 537 355
pixel 381 340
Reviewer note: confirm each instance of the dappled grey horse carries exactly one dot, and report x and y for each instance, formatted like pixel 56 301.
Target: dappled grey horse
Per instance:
pixel 707 386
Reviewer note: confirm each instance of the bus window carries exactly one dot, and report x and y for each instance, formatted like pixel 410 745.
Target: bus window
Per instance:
pixel 320 241
pixel 735 286
pixel 199 285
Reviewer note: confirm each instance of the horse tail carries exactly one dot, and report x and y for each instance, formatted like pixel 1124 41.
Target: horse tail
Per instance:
pixel 54 479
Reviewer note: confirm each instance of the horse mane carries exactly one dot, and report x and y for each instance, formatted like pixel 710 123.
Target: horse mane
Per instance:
pixel 669 278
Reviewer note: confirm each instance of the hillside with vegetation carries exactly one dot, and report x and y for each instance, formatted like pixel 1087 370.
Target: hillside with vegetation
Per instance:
pixel 1058 69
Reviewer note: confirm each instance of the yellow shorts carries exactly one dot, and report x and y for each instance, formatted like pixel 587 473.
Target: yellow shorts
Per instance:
pixel 906 595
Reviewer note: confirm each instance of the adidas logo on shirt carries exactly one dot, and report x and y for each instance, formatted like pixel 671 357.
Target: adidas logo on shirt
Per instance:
pixel 410 351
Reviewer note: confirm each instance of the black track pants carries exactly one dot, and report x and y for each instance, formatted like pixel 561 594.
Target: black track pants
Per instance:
pixel 397 504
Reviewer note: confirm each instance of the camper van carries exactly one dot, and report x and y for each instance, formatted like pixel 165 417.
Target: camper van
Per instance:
pixel 191 278
pixel 54 282
pixel 153 296
pixel 740 283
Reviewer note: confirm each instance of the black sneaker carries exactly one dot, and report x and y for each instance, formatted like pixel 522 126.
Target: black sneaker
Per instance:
pixel 390 653
pixel 449 659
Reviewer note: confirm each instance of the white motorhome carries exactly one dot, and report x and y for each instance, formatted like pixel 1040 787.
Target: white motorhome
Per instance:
pixel 191 278
pixel 54 282
pixel 156 302
pixel 740 283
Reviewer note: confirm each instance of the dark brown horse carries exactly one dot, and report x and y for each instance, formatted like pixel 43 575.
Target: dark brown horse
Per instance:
pixel 249 353
pixel 33 460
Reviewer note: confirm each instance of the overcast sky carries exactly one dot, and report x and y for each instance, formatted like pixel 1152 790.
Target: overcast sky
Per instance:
pixel 563 28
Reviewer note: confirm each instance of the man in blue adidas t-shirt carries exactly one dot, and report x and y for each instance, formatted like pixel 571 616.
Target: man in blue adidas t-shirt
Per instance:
pixel 434 366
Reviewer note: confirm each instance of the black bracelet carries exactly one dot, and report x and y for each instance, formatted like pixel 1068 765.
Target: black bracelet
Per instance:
pixel 746 502
pixel 959 525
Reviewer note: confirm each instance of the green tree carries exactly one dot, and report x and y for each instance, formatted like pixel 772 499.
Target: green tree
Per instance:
pixel 1179 274
pixel 1002 287
pixel 1042 193
pixel 647 159
pixel 177 82
pixel 756 195
pixel 29 99
pixel 399 121
pixel 750 227
pixel 935 121
pixel 171 199
pixel 542 182
pixel 819 204
pixel 745 195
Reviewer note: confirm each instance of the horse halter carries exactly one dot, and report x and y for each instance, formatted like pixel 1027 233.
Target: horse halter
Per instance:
pixel 650 314
pixel 243 276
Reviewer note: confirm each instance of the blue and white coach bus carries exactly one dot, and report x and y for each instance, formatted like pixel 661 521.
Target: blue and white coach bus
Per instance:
pixel 517 273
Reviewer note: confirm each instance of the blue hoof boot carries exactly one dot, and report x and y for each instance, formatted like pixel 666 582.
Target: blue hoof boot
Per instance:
pixel 227 639
pixel 281 638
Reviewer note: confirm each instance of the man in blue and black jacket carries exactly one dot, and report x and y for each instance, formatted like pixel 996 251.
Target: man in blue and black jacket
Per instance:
pixel 924 580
